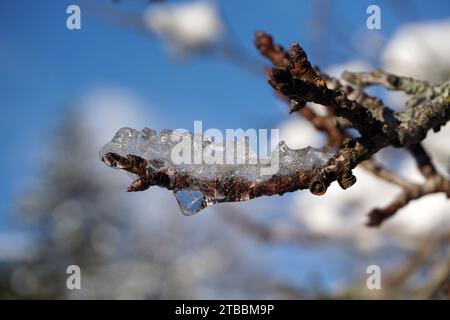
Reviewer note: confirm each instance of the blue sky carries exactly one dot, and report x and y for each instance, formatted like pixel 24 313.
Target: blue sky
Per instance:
pixel 44 66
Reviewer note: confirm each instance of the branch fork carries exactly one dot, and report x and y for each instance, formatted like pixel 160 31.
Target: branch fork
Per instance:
pixel 297 81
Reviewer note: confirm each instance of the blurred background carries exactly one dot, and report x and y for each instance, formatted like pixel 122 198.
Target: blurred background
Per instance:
pixel 164 64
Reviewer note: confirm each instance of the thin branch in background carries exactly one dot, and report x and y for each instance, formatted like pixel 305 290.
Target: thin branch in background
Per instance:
pixel 269 233
pixel 421 91
pixel 426 249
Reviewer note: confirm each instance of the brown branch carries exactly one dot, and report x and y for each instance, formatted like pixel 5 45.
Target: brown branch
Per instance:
pixel 378 216
pixel 418 89
pixel 387 175
pixel 397 128
pixel 274 52
pixel 427 248
pixel 218 189
pixel 307 86
pixel 294 78
pixel 434 183
pixel 388 80
pixel 268 233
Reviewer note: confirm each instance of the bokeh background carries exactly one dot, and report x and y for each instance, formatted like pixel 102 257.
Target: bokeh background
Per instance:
pixel 164 64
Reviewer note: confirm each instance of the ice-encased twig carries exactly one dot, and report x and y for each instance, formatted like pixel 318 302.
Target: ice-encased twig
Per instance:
pixel 150 158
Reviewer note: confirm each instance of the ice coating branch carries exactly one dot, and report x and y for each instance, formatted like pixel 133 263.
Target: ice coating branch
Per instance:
pixel 149 157
pixel 153 160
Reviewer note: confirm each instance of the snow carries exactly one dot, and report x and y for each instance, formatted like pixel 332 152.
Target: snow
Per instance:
pixel 420 50
pixel 186 27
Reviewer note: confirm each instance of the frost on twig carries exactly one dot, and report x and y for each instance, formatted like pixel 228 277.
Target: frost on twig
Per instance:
pixel 199 173
pixel 148 156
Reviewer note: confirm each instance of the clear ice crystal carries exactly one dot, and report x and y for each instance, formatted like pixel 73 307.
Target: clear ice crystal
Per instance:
pixel 190 201
pixel 158 150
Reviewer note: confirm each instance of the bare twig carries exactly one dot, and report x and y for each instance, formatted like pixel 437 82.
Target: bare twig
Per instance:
pixel 294 78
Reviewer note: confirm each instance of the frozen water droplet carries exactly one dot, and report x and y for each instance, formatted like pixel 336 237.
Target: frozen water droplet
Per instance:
pixel 150 133
pixel 190 201
pixel 165 136
pixel 282 146
pixel 206 142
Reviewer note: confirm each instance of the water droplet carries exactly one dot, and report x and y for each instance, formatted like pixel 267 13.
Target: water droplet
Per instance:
pixel 190 201
pixel 165 136
pixel 282 146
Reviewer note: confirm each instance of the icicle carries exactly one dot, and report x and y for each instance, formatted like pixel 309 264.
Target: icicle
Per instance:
pixel 190 201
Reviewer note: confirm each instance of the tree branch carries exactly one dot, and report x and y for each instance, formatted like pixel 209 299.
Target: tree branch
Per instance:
pixel 294 78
